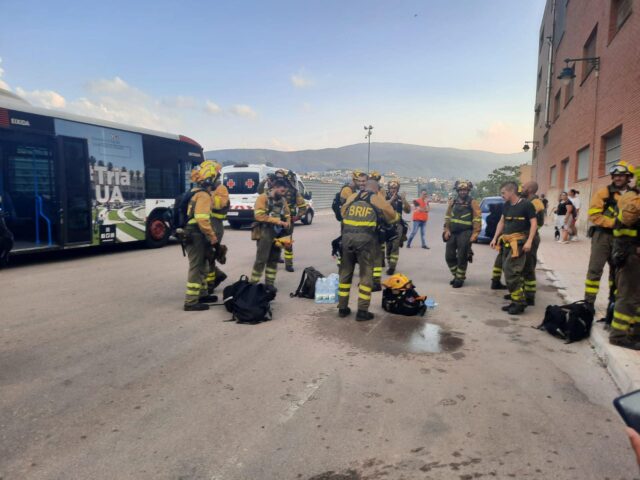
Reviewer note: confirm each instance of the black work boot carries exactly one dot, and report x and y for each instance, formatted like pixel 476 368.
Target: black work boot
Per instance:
pixel 208 299
pixel 289 268
pixel 531 301
pixel 344 312
pixel 507 296
pixel 376 287
pixel 457 283
pixel 451 281
pixel 391 270
pixel 195 307
pixel 219 279
pixel 514 308
pixel 364 315
pixel 497 285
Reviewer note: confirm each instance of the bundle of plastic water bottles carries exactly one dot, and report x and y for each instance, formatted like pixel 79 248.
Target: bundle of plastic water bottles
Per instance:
pixel 327 289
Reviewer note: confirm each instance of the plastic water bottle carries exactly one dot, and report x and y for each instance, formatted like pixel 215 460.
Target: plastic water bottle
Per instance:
pixel 333 282
pixel 430 303
pixel 321 290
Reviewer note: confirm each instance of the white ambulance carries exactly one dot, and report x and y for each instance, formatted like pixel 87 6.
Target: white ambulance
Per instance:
pixel 242 181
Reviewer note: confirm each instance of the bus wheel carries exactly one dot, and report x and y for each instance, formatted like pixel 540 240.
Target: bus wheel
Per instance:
pixel 157 232
pixel 235 225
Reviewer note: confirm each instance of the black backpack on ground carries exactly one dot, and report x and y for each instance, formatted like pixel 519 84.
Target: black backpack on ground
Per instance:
pixel 249 302
pixel 403 302
pixel 570 322
pixel 307 286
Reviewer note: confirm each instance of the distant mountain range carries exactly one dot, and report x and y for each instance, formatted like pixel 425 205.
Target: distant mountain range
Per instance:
pixel 403 159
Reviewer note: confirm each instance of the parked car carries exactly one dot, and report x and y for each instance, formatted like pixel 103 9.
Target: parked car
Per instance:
pixel 486 209
pixel 242 181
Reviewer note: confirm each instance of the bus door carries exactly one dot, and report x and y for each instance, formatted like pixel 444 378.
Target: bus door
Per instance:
pixel 75 191
pixel 30 196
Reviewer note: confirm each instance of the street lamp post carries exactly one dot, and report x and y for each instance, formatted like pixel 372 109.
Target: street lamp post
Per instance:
pixel 368 136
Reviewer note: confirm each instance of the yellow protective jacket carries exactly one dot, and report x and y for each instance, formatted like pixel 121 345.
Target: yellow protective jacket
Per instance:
pixel 475 222
pixel 628 219
pixel 539 207
pixel 199 213
pixel 220 202
pixel 379 201
pixel 263 208
pixel 602 210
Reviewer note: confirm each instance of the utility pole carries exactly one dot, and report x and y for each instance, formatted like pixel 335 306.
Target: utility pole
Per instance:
pixel 368 136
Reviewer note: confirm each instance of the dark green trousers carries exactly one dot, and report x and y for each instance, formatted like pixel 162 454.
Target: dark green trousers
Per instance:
pixel 393 248
pixel 357 249
pixel 457 253
pixel 497 267
pixel 267 256
pixel 196 279
pixel 601 247
pixel 626 313
pixel 529 273
pixel 514 273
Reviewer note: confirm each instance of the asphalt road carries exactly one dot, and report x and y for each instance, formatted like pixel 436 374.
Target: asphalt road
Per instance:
pixel 103 376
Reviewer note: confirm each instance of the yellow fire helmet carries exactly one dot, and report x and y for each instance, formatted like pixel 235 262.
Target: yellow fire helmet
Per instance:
pixel 207 171
pixel 283 242
pixel 398 281
pixel 195 175
pixel 463 185
pixel 375 175
pixel 356 174
pixel 622 168
pixel 394 184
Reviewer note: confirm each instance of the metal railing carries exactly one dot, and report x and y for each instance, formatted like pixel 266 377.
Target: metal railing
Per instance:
pixel 324 192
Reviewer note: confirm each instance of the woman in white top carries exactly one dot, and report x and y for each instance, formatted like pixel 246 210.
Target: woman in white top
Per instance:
pixel 564 217
pixel 575 201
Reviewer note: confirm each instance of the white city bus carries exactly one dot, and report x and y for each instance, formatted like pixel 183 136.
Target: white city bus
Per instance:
pixel 70 181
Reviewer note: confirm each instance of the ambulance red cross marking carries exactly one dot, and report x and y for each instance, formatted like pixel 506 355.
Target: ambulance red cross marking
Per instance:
pixel 231 183
pixel 249 184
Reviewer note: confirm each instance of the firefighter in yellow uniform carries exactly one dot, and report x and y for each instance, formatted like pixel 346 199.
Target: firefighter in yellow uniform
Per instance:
pixel 602 216
pixel 273 220
pixel 399 203
pixel 219 208
pixel 298 209
pixel 529 191
pixel 625 327
pixel 378 256
pixel 361 215
pixel 201 238
pixel 358 180
pixel 462 225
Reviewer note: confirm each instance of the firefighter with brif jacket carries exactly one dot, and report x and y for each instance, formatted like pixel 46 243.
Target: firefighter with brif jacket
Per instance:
pixel 462 225
pixel 361 215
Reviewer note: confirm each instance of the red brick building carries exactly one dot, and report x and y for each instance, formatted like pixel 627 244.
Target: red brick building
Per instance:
pixel 584 127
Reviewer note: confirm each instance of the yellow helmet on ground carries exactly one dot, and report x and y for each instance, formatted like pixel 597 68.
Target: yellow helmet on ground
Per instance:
pixel 622 168
pixel 398 281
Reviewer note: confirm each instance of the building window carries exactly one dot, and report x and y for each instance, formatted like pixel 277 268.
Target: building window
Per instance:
pixel 612 148
pixel 534 155
pixel 564 171
pixel 568 93
pixel 539 81
pixel 538 110
pixel 559 22
pixel 541 39
pixel 553 176
pixel 582 171
pixel 589 51
pixel 556 106
pixel 545 138
pixel 620 11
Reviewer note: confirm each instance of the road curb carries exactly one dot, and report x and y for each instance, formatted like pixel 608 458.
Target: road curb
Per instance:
pixel 622 364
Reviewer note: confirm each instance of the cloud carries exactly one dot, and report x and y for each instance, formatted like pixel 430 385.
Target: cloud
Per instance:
pixel 179 101
pixel 499 137
pixel 113 85
pixel 3 84
pixel 43 98
pixel 299 80
pixel 212 108
pixel 278 145
pixel 243 111
pixel 307 107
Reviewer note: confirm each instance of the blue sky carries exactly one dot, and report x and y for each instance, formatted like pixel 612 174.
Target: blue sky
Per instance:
pixel 284 74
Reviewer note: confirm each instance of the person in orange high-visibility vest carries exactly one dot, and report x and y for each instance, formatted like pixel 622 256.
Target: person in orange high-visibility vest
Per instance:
pixel 420 218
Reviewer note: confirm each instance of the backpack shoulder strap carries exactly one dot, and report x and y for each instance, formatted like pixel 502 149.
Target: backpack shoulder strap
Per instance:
pixel 299 289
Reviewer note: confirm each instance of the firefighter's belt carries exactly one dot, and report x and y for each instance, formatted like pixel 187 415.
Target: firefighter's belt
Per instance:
pixel 511 241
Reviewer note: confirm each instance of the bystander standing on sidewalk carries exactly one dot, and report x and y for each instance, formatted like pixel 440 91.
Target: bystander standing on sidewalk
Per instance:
pixel 420 218
pixel 545 202
pixel 575 201
pixel 564 217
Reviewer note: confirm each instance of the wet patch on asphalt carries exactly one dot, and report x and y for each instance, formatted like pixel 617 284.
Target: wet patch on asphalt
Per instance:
pixel 390 334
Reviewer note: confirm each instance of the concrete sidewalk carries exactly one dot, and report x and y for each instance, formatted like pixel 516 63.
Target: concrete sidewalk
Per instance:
pixel 566 267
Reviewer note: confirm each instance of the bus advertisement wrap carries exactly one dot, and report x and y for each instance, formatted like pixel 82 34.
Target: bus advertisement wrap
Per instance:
pixel 116 166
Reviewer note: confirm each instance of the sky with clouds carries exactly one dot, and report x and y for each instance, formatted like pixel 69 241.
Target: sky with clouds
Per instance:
pixel 287 75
